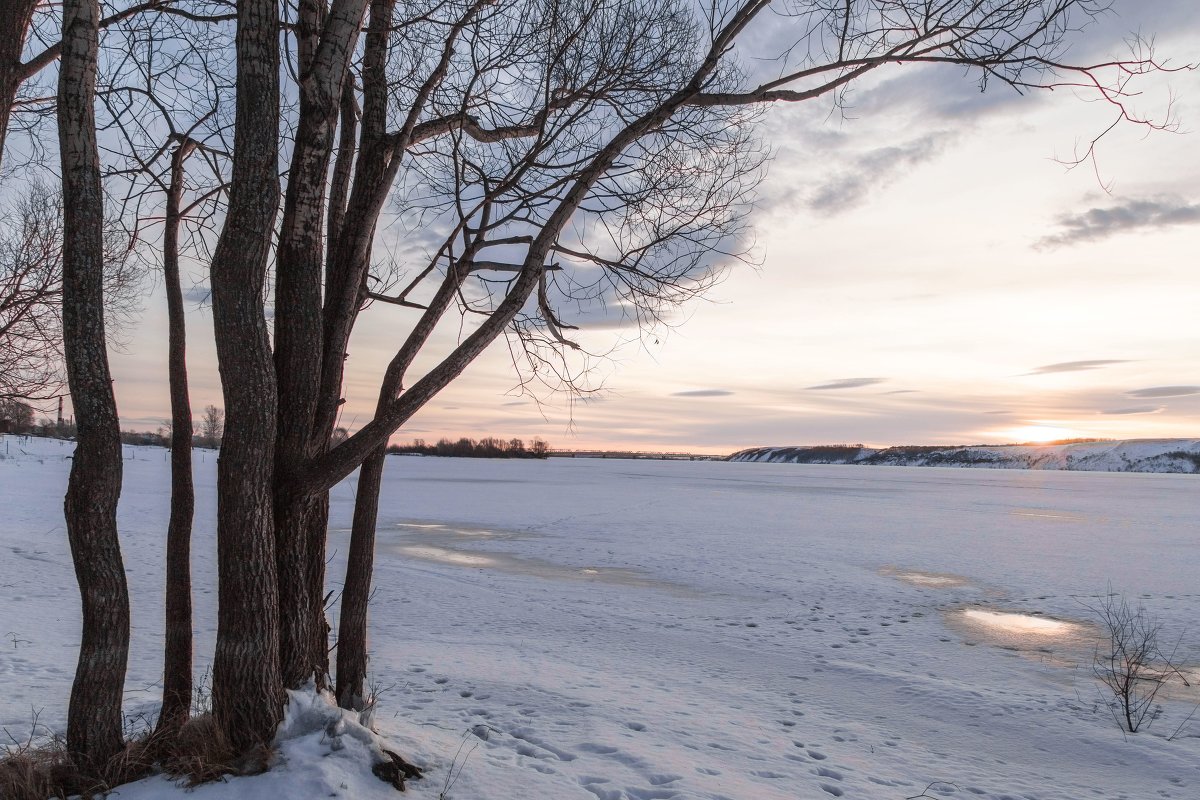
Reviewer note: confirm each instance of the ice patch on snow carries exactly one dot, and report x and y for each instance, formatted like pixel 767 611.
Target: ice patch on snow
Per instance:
pixel 1047 640
pixel 445 556
pixel 932 580
pixel 1020 624
pixel 444 543
pixel 929 580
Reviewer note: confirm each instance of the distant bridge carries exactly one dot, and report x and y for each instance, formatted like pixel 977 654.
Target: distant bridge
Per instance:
pixel 642 454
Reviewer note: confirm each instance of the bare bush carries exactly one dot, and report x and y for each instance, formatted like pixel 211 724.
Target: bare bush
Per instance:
pixel 1129 662
pixel 31 250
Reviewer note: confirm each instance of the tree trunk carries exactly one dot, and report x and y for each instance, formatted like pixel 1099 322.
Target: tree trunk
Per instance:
pixel 15 19
pixel 360 563
pixel 327 43
pixel 350 253
pixel 177 667
pixel 316 528
pixel 94 734
pixel 247 688
pixel 300 524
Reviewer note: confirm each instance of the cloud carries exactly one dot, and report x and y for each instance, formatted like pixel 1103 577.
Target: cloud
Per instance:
pixel 866 173
pixel 199 294
pixel 1075 366
pixel 937 93
pixel 1165 391
pixel 1134 410
pixel 703 393
pixel 846 383
pixel 1096 224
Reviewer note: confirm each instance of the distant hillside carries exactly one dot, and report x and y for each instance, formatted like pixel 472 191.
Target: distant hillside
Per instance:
pixel 1135 455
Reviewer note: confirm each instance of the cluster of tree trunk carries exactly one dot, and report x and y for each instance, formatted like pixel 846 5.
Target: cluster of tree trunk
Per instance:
pixel 574 151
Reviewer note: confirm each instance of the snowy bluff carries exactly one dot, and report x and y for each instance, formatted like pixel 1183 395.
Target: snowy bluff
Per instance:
pixel 1136 455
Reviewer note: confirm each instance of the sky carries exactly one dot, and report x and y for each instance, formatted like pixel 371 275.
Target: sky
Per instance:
pixel 929 271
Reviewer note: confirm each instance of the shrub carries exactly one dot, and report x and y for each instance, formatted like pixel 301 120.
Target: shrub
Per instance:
pixel 1129 662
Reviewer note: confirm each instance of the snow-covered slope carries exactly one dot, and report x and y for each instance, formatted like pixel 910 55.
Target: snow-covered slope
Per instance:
pixel 1136 455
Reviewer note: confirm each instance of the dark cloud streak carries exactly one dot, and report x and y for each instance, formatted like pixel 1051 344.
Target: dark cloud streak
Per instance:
pixel 1135 410
pixel 846 383
pixel 1097 224
pixel 1165 391
pixel 868 172
pixel 1075 366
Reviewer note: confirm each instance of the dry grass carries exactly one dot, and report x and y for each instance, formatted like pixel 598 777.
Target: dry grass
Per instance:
pixel 41 769
pixel 35 772
pixel 196 753
pixel 38 767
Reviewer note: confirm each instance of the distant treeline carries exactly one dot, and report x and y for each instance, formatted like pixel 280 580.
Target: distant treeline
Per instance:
pixel 490 447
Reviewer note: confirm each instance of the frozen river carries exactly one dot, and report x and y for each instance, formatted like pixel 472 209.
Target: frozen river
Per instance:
pixel 638 629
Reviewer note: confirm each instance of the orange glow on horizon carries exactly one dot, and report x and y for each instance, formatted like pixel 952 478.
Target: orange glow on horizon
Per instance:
pixel 1038 434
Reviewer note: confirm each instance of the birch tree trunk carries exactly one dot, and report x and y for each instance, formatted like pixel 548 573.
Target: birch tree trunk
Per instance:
pixel 94 734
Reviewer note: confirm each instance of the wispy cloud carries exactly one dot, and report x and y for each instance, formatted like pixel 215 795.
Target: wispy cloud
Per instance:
pixel 1165 391
pixel 1075 366
pixel 939 94
pixel 703 393
pixel 846 383
pixel 1096 224
pixel 869 171
pixel 1135 410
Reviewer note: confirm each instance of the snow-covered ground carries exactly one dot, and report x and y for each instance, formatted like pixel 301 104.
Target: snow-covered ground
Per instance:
pixel 651 630
pixel 1134 455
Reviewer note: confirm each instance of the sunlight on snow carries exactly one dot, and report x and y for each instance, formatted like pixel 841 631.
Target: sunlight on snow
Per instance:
pixel 1026 624
pixel 447 556
pixel 925 579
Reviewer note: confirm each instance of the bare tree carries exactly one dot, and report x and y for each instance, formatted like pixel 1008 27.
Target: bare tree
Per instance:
pixel 94 730
pixel 177 647
pixel 212 425
pixel 19 31
pixel 31 296
pixel 17 417
pixel 168 76
pixel 635 168
pixel 31 274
